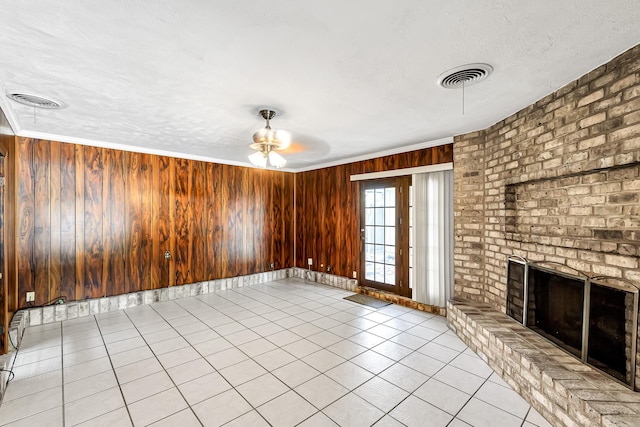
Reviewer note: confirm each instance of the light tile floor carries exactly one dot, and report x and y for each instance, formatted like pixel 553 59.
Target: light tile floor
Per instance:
pixel 283 354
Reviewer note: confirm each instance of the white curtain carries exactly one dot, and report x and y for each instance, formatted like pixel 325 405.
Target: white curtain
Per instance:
pixel 433 237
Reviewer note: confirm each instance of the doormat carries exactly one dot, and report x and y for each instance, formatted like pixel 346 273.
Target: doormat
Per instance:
pixel 367 300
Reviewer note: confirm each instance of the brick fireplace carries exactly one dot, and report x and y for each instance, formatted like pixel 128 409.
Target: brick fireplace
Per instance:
pixel 557 182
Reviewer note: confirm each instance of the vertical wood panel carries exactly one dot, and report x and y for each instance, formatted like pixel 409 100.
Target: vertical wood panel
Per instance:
pixel 42 222
pixel 182 221
pixel 133 220
pixel 116 206
pixel 79 259
pixel 54 199
pixel 210 222
pixel 93 209
pixel 26 190
pixel 68 221
pixel 106 221
pixel 196 211
pixel 146 213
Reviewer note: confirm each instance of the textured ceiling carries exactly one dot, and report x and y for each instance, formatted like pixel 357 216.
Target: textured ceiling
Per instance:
pixel 349 78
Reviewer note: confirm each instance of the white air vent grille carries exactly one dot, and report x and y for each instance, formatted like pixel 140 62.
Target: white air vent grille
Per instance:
pixel 37 101
pixel 466 75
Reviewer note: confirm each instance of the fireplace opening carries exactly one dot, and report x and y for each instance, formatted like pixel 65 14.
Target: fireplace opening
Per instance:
pixel 593 318
pixel 607 330
pixel 555 308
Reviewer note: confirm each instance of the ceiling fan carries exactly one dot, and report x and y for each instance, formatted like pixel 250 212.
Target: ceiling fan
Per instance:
pixel 267 142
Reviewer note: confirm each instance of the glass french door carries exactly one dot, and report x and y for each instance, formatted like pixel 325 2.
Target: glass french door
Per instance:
pixel 385 221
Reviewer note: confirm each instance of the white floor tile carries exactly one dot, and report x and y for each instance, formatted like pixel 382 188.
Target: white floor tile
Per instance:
pixel 404 377
pixel 472 364
pixel 287 410
pixel 252 418
pixel 137 370
pixel 242 372
pixel 88 386
pixel 503 398
pixel 481 414
pixel 222 359
pixel 295 373
pixel 301 348
pixel 262 389
pixel 421 363
pixel 388 421
pixel 204 388
pixel 413 412
pixel 321 391
pixel 146 386
pixel 190 371
pixel 221 408
pixel 438 352
pixel 392 350
pixel 349 375
pixel 380 393
pixel 323 360
pixel 49 418
pixel 184 418
pixel 352 410
pixel 274 359
pixel 215 345
pixel 442 396
pixel 32 404
pixel 318 420
pixel 462 380
pixel 119 417
pixel 372 361
pixel 257 347
pixel 92 406
pixel 156 407
pixel 33 385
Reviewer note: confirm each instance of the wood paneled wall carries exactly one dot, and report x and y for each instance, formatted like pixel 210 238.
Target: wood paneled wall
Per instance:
pixel 8 260
pixel 327 208
pixel 97 221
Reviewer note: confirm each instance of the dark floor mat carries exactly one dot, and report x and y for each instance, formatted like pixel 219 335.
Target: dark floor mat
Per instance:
pixel 367 300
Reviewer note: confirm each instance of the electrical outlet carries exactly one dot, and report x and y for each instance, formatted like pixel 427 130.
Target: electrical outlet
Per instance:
pixel 167 254
pixel 31 296
pixel 355 275
pixel 272 265
pixel 310 261
pixel 328 269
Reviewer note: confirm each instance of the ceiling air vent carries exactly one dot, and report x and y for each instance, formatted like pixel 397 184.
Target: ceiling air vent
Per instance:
pixel 36 101
pixel 465 75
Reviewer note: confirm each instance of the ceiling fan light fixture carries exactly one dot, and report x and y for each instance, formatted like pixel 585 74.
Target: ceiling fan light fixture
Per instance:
pixel 266 141
pixel 258 159
pixel 276 160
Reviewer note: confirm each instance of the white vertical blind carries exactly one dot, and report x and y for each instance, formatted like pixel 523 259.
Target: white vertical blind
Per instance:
pixel 433 237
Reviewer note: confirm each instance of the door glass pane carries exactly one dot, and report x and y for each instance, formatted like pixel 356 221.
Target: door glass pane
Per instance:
pixel 390 216
pixel 390 274
pixel 390 255
pixel 390 235
pixel 379 197
pixel 379 273
pixel 390 196
pixel 369 218
pixel 369 271
pixel 379 253
pixel 379 235
pixel 368 198
pixel 369 235
pixel 368 252
pixel 379 216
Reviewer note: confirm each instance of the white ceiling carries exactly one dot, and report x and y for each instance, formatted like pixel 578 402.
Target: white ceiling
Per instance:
pixel 349 78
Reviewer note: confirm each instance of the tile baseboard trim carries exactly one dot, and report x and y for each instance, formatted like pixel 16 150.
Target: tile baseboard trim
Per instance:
pixel 89 307
pixel 400 300
pixel 325 279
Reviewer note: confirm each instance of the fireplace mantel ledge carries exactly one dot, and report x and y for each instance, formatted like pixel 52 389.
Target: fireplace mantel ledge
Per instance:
pixel 559 386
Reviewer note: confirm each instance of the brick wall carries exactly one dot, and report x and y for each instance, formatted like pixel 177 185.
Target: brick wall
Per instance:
pixel 558 181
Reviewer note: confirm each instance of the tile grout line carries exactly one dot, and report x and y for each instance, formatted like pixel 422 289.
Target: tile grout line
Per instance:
pixel 114 372
pixel 62 373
